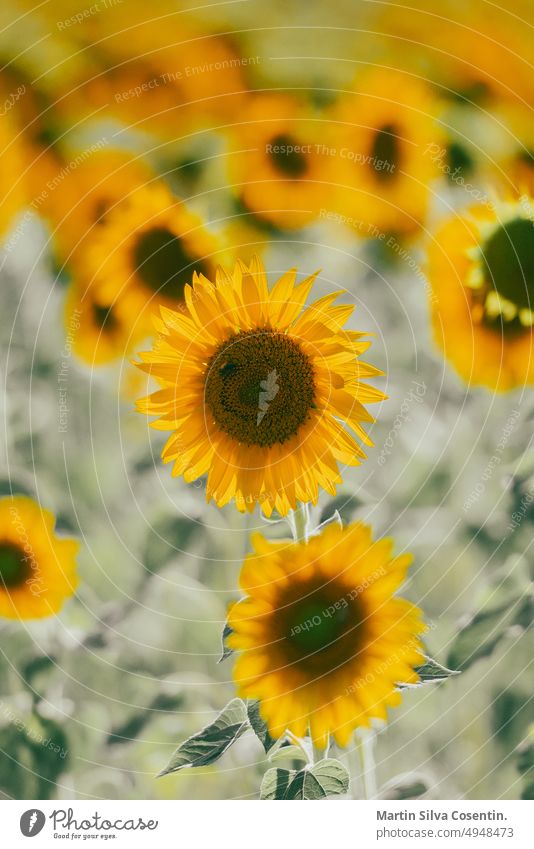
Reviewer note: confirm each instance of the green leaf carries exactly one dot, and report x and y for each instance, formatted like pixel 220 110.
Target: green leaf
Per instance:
pixel 525 764
pixel 258 726
pixel 226 652
pixel 209 744
pixel 484 631
pixel 431 672
pixel 326 778
pixel 292 753
pixel 275 783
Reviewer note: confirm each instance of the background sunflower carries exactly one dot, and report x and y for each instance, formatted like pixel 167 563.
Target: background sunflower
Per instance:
pixel 92 111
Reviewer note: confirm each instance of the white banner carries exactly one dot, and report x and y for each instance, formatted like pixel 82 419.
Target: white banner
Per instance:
pixel 229 824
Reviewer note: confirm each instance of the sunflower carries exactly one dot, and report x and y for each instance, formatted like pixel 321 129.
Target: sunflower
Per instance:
pixel 275 164
pixel 37 568
pixel 387 130
pixel 324 643
pixel 481 271
pixel 155 79
pixel 147 249
pixel 256 390
pixel 78 196
pixel 13 164
pixel 101 331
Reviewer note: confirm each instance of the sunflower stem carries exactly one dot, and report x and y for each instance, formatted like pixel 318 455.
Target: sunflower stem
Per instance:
pixel 365 742
pixel 299 522
pixel 317 754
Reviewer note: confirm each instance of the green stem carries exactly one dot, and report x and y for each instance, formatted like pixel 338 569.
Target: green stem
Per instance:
pixel 365 741
pixel 299 522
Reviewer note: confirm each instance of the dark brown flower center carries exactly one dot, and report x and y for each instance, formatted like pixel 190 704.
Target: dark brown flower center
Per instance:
pixel 163 263
pixel 15 567
pixel 385 152
pixel 287 160
pixel 104 318
pixel 319 629
pixel 259 387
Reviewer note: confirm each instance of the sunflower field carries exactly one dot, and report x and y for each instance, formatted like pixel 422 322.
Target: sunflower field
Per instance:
pixel 267 476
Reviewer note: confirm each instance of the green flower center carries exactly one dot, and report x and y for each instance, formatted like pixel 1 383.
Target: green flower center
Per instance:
pixel 14 565
pixel 319 628
pixel 163 264
pixel 385 152
pixel 259 387
pixel 506 287
pixel 289 162
pixel 508 258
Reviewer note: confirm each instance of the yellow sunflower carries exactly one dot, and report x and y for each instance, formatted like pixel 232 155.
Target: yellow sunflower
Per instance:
pixel 147 249
pixel 13 164
pixel 155 75
pixel 274 161
pixel 481 271
pixel 101 331
pixel 256 389
pixel 37 568
pixel 386 134
pixel 78 196
pixel 324 641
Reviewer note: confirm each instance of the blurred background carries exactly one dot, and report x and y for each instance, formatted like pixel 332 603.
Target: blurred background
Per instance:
pixel 116 114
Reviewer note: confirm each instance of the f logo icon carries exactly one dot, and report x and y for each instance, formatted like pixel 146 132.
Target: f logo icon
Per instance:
pixel 32 822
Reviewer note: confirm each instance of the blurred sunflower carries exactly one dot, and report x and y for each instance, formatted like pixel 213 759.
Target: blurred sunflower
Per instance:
pixel 254 389
pixel 274 162
pixel 77 198
pixel 147 250
pixel 37 568
pixel 487 55
pixel 156 83
pixel 387 129
pixel 104 331
pixel 13 164
pixel 481 271
pixel 324 643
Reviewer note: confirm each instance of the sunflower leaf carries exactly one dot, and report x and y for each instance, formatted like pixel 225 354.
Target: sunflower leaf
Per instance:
pixel 258 726
pixel 326 778
pixel 210 743
pixel 293 753
pixel 226 652
pixel 275 783
pixel 431 671
pixel 484 631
